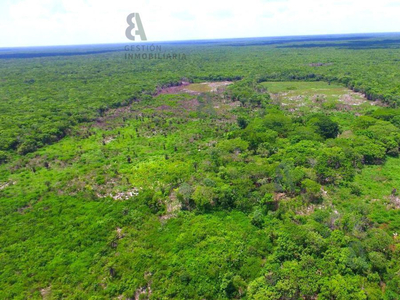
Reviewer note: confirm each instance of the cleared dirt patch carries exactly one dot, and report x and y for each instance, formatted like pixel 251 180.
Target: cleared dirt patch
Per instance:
pixel 190 104
pixel 354 99
pixel 196 88
pixel 205 87
pixel 174 89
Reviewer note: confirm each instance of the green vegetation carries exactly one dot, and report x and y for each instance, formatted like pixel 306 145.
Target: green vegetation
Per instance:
pixel 118 182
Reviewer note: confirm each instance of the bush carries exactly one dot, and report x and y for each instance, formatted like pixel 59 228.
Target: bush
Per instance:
pixel 203 197
pixel 311 190
pixel 3 157
pixel 326 127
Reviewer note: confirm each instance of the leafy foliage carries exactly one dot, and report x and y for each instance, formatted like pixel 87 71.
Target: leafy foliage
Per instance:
pixel 119 181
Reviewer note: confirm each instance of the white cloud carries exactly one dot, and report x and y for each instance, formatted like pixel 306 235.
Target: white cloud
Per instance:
pixel 59 22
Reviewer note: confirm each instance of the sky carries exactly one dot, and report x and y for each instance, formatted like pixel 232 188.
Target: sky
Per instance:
pixel 73 22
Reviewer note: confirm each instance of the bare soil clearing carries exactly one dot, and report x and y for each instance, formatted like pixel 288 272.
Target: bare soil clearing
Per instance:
pixel 196 88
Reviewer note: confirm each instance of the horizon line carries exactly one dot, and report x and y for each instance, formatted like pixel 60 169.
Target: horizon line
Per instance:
pixel 205 39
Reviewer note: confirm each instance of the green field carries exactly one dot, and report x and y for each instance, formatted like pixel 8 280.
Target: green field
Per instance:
pixel 308 97
pixel 304 87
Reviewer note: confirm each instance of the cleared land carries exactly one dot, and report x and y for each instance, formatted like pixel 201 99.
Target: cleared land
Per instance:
pixel 293 96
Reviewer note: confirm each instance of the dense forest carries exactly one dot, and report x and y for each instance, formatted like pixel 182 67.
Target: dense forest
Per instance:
pixel 250 169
